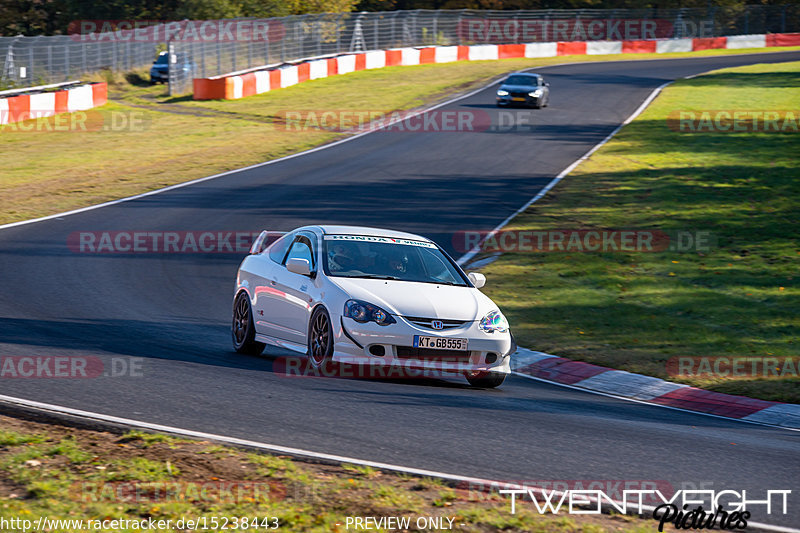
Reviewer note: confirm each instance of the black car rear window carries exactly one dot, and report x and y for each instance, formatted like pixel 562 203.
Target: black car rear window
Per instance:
pixel 162 60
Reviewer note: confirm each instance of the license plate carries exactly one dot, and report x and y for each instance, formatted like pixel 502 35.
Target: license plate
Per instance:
pixel 518 99
pixel 440 343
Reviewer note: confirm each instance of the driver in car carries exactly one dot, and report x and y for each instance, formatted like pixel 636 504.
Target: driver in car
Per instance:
pixel 343 257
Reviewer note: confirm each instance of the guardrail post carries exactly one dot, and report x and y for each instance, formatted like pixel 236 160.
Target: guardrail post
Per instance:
pixel 783 18
pixel 266 48
pixel 202 47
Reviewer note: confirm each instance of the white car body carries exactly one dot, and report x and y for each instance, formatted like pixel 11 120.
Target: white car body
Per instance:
pixel 283 301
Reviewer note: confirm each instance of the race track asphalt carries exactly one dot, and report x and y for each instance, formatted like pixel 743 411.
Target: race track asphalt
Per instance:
pixel 173 310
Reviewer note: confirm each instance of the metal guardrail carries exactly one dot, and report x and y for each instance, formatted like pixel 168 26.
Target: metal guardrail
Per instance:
pixel 12 92
pixel 195 52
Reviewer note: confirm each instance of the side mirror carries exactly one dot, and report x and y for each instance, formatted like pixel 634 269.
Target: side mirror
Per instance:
pixel 298 266
pixel 477 279
pixel 546 84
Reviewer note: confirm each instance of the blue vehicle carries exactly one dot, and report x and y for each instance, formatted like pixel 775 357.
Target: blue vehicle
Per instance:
pixel 159 71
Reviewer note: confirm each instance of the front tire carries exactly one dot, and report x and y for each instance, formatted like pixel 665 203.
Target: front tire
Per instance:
pixel 243 330
pixel 486 380
pixel 320 338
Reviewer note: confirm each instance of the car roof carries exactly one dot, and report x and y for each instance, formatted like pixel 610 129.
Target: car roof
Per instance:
pixel 373 232
pixel 531 74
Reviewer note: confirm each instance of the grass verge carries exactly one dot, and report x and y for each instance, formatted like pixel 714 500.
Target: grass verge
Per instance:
pixel 147 140
pixel 67 473
pixel 637 311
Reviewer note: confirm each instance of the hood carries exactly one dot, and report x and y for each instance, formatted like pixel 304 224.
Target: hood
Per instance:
pixel 427 300
pixel 526 88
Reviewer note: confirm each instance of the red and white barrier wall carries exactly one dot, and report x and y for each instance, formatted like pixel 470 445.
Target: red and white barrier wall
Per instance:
pixel 46 104
pixel 241 85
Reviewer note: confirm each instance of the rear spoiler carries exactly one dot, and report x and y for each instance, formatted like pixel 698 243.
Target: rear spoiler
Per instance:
pixel 264 239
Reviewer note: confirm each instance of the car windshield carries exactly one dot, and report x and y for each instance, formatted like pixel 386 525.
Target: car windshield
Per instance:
pixel 357 256
pixel 521 80
pixel 162 59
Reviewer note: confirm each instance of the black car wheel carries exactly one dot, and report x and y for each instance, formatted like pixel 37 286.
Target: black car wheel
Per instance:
pixel 243 330
pixel 320 338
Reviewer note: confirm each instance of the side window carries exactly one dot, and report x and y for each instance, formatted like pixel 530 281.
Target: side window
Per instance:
pixel 278 249
pixel 301 249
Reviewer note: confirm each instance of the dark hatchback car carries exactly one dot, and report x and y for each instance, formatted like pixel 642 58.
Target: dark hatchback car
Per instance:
pixel 523 89
pixel 159 72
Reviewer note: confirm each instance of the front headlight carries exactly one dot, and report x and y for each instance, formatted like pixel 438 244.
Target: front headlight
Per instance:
pixel 502 92
pixel 536 94
pixel 494 321
pixel 364 312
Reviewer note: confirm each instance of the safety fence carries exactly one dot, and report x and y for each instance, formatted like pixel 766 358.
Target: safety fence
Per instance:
pixel 204 49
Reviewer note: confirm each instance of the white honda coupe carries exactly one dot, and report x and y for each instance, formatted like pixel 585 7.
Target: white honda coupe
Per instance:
pixel 369 296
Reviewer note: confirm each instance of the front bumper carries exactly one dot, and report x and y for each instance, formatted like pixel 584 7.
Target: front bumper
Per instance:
pixel 359 344
pixel 528 100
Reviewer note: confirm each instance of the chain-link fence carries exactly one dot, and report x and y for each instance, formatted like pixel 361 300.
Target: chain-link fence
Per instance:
pixel 213 48
pixel 299 37
pixel 31 61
